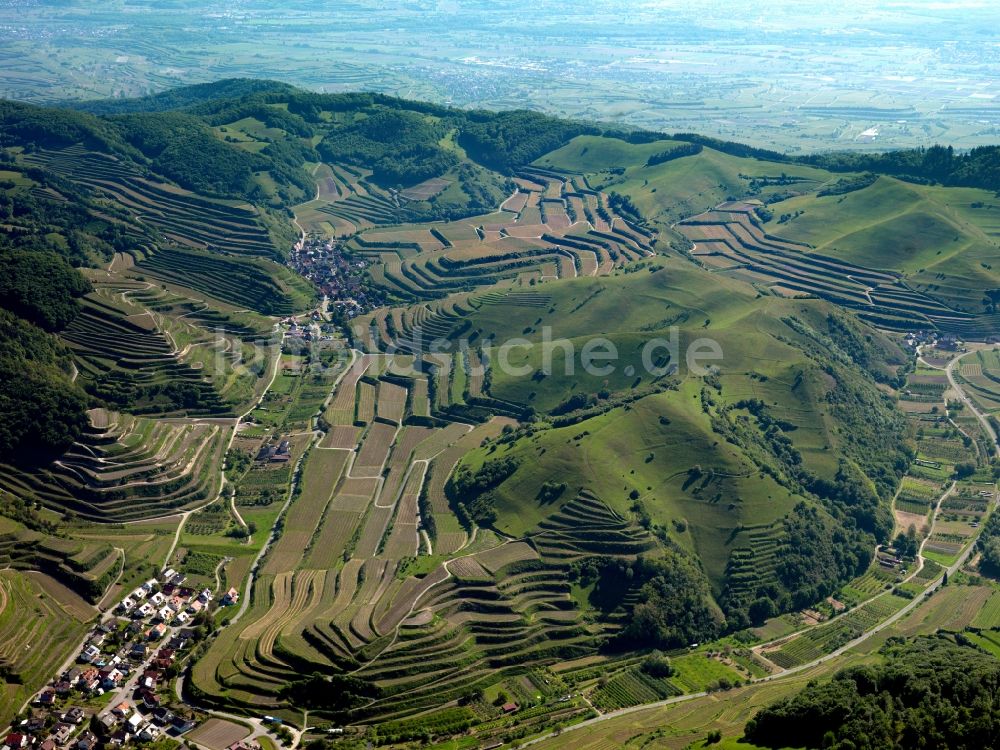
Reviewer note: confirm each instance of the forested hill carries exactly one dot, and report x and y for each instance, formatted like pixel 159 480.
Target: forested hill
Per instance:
pixel 978 168
pixel 185 96
pixel 929 692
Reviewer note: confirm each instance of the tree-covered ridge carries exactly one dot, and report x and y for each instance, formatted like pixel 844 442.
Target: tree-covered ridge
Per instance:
pixel 49 228
pixel 40 286
pixel 51 214
pixel 979 167
pixel 181 147
pixel 507 140
pixel 929 692
pixel 43 410
pixel 401 148
pixel 182 135
pixel 183 96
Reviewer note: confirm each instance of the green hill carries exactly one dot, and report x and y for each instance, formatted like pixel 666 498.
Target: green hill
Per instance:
pixel 943 239
pixel 715 463
pixel 508 508
pixel 683 184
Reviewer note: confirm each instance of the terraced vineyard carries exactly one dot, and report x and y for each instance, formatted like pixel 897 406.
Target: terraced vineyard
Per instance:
pixel 731 241
pixel 369 566
pixel 550 228
pixel 245 283
pixel 84 565
pixel 348 203
pixel 34 628
pixel 980 376
pixel 181 216
pixel 829 637
pixel 126 468
pixel 345 590
pixel 123 356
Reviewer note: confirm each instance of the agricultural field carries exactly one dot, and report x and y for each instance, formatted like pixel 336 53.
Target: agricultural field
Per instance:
pixel 37 619
pixel 816 642
pixel 441 523
pixel 129 468
pixel 988 618
pixel 979 373
pixel 330 592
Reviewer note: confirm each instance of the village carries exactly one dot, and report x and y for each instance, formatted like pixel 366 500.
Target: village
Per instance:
pixel 116 693
pixel 337 275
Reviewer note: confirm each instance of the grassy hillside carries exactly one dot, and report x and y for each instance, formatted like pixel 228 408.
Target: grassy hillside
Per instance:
pixel 649 449
pixel 792 412
pixel 680 186
pixel 943 239
pixel 466 516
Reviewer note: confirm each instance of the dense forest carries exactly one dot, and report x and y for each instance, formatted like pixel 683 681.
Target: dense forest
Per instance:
pixel 400 147
pixel 42 242
pixel 43 410
pixel 928 693
pixel 674 606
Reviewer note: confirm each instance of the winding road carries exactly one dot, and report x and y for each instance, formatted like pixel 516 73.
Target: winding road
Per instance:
pixel 983 420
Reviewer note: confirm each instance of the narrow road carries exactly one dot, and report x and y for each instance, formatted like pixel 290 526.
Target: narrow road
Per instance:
pixel 222 470
pixel 949 371
pixel 259 728
pixel 891 620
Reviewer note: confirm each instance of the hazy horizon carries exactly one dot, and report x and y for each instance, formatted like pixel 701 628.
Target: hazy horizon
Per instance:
pixel 791 76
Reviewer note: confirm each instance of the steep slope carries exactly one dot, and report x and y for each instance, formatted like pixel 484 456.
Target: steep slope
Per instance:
pixel 790 412
pixel 943 240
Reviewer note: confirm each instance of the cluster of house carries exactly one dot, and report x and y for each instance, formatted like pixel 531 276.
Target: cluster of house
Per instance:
pixel 336 274
pixel 145 721
pixel 164 602
pixel 307 332
pixel 125 656
pixel 271 453
pixel 29 733
pixel 936 339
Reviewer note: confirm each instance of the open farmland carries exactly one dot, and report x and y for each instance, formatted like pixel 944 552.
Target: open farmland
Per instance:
pixel 218 734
